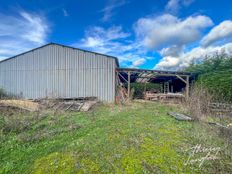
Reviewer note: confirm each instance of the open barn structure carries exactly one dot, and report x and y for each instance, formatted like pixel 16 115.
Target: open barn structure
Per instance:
pixel 59 71
pixel 171 81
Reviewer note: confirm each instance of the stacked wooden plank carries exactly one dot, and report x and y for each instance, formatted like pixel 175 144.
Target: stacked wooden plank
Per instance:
pixel 26 105
pixel 68 105
pixel 180 117
pixel 122 96
pixel 148 95
pixel 221 108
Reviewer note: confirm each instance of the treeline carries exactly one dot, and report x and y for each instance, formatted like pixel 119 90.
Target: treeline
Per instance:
pixel 215 74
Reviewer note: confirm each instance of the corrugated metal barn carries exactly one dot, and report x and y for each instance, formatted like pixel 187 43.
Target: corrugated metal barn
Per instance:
pixel 58 71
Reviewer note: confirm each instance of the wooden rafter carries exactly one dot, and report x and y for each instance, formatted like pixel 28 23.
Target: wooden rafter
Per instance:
pixel 181 79
pixel 122 77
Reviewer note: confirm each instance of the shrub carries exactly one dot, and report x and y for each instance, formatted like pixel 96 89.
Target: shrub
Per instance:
pixel 2 93
pixel 139 88
pixel 214 74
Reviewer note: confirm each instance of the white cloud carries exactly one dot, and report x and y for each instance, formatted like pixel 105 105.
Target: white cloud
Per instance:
pixel 104 40
pixel 220 33
pixel 165 30
pixel 167 35
pixel 216 41
pixel 37 28
pixel 110 7
pixel 171 51
pixel 195 55
pixel 113 41
pixel 65 12
pixel 97 36
pixel 174 5
pixel 21 33
pixel 168 62
pixel 139 62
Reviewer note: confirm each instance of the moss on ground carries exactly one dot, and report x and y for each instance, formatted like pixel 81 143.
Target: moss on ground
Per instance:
pixel 137 138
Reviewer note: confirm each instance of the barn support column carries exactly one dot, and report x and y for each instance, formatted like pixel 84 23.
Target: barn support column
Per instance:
pixel 128 85
pixel 187 85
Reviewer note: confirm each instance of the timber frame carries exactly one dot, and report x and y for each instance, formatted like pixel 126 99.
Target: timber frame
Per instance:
pixel 149 74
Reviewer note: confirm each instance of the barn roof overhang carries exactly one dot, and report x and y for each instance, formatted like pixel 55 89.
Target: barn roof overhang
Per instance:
pixel 158 72
pixel 144 75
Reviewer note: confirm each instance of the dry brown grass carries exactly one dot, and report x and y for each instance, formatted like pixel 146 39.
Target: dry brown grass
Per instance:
pixel 198 103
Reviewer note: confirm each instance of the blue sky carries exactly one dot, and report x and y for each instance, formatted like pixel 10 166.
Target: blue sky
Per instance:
pixel 152 34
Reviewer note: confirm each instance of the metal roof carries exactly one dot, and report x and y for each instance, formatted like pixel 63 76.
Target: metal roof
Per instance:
pixel 51 43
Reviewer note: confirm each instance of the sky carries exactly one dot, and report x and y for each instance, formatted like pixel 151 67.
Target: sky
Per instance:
pixel 148 34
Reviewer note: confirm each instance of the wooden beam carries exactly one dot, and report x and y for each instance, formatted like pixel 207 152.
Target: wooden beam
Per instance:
pixel 163 87
pixel 185 81
pixel 171 88
pixel 187 87
pixel 128 85
pixel 122 77
pixel 118 81
pixel 153 71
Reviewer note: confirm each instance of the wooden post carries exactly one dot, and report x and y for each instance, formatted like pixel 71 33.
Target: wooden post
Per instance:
pixel 171 88
pixel 128 86
pixel 187 87
pixel 163 88
pixel 145 87
pixel 144 91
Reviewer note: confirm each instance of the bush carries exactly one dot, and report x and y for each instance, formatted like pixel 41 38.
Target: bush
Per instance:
pixel 139 88
pixel 214 74
pixel 2 93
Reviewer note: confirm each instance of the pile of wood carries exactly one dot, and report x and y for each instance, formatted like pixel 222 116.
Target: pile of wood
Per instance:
pixel 56 104
pixel 122 96
pixel 68 105
pixel 221 108
pixel 26 105
pixel 149 95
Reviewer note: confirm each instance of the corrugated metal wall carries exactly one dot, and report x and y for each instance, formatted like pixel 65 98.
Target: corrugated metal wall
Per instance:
pixel 56 71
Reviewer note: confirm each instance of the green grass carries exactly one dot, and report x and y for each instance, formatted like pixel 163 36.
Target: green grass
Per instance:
pixel 137 138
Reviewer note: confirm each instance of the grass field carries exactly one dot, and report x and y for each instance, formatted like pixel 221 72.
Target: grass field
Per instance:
pixel 137 138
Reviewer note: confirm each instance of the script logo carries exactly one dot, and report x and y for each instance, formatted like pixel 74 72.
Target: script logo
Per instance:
pixel 205 154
